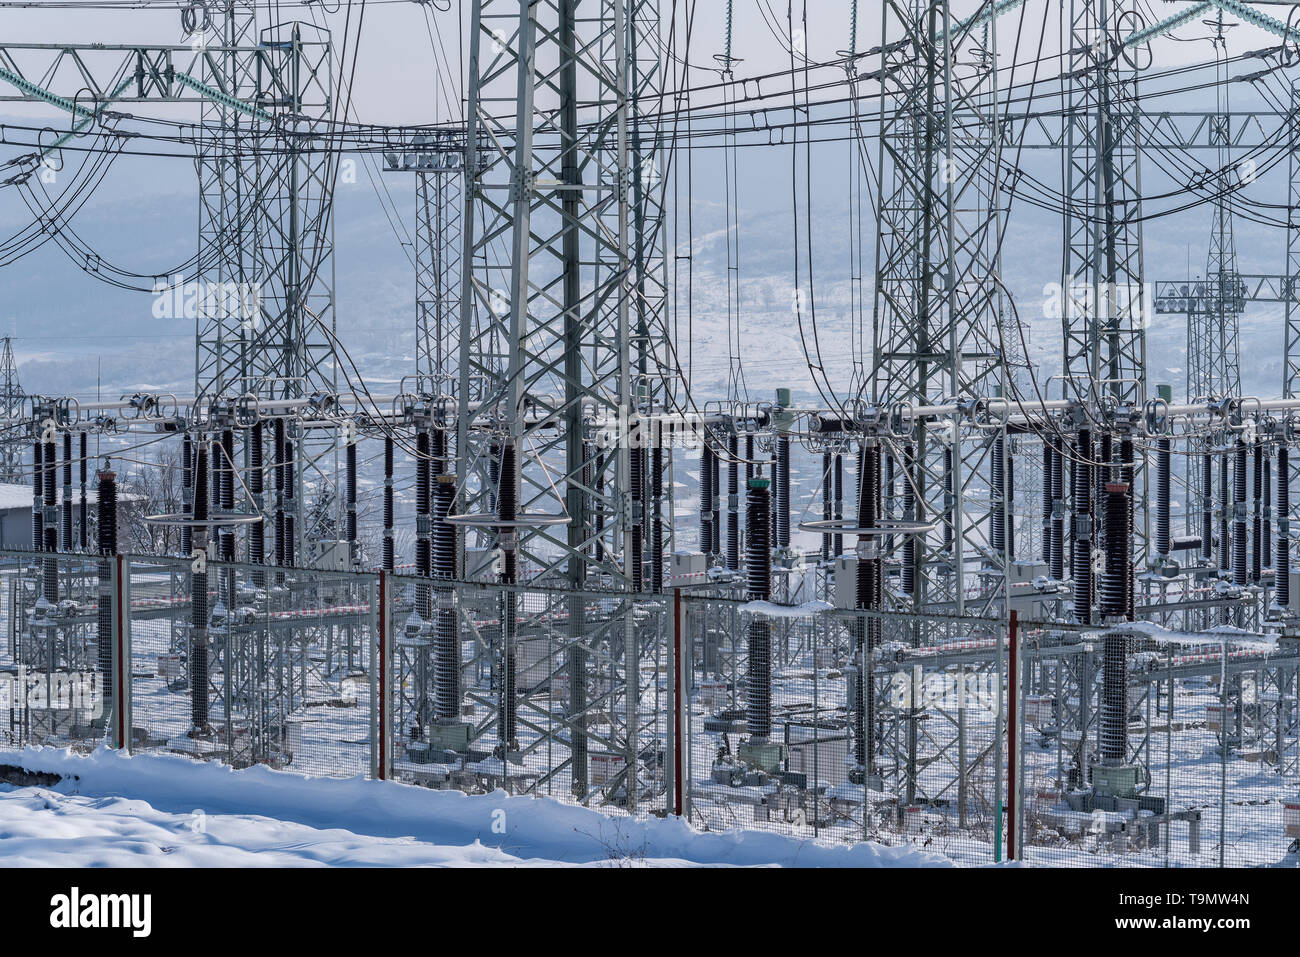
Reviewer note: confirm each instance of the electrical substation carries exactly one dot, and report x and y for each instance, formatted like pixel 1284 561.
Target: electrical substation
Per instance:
pixel 961 597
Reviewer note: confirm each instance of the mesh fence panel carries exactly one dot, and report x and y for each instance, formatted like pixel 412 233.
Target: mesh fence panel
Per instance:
pixel 1210 771
pixel 920 772
pixel 159 653
pixel 773 718
pixel 288 667
pixel 52 691
pixel 539 703
pixel 797 778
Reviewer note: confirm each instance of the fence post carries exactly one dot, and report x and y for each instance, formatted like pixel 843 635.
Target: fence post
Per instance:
pixel 675 698
pixel 1013 736
pixel 380 699
pixel 115 685
pixel 122 652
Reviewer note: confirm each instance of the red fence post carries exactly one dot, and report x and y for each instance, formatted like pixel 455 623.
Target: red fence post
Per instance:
pixel 1013 739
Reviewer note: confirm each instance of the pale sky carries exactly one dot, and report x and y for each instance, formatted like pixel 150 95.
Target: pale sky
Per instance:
pixel 403 43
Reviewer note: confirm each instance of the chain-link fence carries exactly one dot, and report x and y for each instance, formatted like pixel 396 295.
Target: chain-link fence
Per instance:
pixel 1194 762
pixel 52 687
pixel 527 690
pixel 1132 745
pixel 808 721
pixel 768 740
pixel 287 676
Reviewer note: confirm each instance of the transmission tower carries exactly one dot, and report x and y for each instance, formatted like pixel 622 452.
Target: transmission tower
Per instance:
pixel 437 161
pixel 937 310
pixel 265 210
pixel 439 207
pixel 228 224
pixel 1213 357
pixel 12 445
pixel 548 346
pixel 551 340
pixel 1104 303
pixel 1102 320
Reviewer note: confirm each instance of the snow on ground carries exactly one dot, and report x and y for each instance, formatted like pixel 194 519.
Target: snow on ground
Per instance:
pixel 110 809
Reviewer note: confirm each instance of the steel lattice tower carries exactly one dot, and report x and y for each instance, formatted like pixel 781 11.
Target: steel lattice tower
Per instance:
pixel 1291 280
pixel 1104 308
pixel 1102 319
pixel 1215 304
pixel 1213 355
pixel 547 343
pixel 292 352
pixel 437 161
pixel 12 444
pixel 1291 369
pixel 439 206
pixel 552 332
pixel 936 320
pixel 228 225
pixel 266 225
